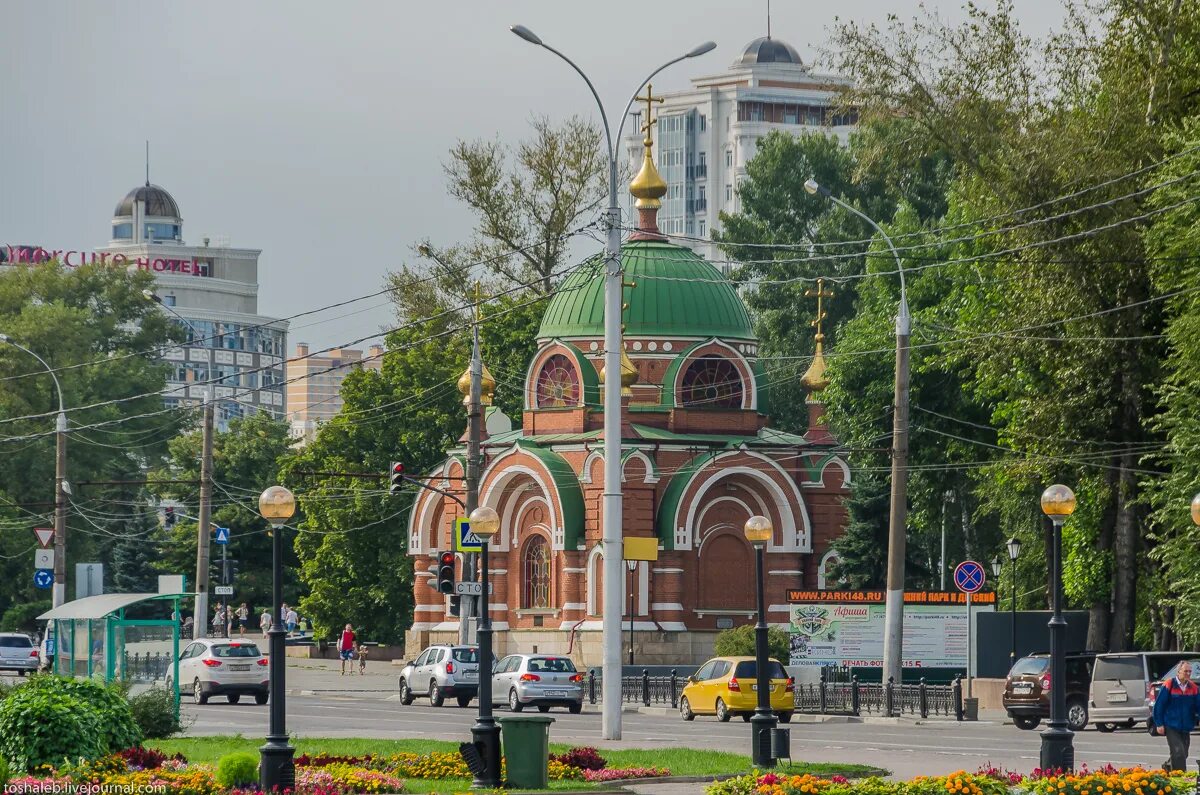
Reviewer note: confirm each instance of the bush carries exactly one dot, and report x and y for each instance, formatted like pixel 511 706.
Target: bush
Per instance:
pixel 583 758
pixel 739 642
pixel 4 774
pixel 23 617
pixel 143 758
pixel 118 730
pixel 154 713
pixel 237 770
pixel 43 726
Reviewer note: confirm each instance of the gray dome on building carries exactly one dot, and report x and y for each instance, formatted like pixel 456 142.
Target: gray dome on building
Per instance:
pixel 159 203
pixel 768 50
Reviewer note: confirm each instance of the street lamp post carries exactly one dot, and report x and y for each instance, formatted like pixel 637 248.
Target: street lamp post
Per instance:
pixel 632 566
pixel 612 504
pixel 485 734
pixel 276 770
pixel 893 622
pixel 59 594
pixel 758 532
pixel 1014 551
pixel 1196 510
pixel 1058 753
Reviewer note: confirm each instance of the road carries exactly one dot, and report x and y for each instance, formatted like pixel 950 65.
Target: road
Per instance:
pixel 905 748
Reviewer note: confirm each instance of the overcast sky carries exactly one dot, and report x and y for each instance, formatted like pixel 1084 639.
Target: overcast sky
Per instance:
pixel 316 131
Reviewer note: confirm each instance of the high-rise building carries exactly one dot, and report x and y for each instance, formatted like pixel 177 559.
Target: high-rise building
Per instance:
pixel 706 134
pixel 215 289
pixel 314 385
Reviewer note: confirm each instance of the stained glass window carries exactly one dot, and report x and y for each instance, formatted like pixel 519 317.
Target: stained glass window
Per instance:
pixel 535 590
pixel 557 383
pixel 712 382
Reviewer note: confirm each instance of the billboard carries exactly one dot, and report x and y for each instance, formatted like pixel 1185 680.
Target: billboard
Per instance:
pixel 845 628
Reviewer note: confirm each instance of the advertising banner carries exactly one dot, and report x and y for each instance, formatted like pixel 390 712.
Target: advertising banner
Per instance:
pixel 845 628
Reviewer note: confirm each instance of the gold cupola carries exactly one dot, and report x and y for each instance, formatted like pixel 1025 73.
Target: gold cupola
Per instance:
pixel 629 374
pixel 648 186
pixel 487 386
pixel 815 378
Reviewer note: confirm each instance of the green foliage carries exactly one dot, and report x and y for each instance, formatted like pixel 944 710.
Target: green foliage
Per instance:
pixel 5 773
pixel 237 770
pixel 44 726
pixel 118 730
pixel 739 642
pixel 22 617
pixel 154 713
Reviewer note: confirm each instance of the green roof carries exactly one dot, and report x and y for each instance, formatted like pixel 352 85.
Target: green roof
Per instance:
pixel 678 293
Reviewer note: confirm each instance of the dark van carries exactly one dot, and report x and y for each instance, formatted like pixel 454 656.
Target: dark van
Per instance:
pixel 1027 690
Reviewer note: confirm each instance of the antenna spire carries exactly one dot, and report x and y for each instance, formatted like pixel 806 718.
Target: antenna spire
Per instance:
pixel 147 163
pixel 768 19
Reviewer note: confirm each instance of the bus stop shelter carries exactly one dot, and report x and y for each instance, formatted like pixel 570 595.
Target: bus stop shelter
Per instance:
pixel 132 637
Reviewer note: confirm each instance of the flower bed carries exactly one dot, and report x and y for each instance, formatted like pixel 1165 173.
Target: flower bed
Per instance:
pixel 142 770
pixel 986 781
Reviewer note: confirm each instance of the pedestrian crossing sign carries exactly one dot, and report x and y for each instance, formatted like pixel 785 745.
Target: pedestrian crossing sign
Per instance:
pixel 464 539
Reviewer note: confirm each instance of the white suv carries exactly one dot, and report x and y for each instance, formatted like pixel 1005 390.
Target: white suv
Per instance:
pixel 221 667
pixel 17 653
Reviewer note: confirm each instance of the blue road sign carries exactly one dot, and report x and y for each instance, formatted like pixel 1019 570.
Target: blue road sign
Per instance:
pixel 464 539
pixel 969 576
pixel 222 536
pixel 43 578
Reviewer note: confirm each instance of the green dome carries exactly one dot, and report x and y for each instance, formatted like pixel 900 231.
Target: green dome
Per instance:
pixel 693 300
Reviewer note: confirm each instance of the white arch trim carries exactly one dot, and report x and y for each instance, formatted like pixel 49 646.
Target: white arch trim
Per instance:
pixel 514 512
pixel 594 571
pixel 749 397
pixel 495 489
pixel 652 476
pixel 416 518
pixel 823 568
pixel 795 538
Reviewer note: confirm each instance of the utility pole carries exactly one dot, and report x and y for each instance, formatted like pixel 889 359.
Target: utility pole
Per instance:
pixel 200 621
pixel 474 437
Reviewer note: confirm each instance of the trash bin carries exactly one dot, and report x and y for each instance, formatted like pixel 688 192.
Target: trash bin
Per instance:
pixel 527 750
pixel 970 709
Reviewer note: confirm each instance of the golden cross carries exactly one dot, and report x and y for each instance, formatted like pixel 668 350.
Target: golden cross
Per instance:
pixel 478 299
pixel 649 99
pixel 819 294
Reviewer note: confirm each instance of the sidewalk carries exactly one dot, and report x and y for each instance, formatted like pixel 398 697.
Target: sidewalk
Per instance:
pixel 323 677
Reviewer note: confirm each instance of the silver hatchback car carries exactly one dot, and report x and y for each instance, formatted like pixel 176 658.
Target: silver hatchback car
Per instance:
pixel 539 680
pixel 17 653
pixel 441 672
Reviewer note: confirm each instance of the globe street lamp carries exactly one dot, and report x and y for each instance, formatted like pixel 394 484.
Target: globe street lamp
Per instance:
pixel 485 734
pixel 1196 510
pixel 610 718
pixel 893 611
pixel 758 532
pixel 1058 753
pixel 1014 551
pixel 275 768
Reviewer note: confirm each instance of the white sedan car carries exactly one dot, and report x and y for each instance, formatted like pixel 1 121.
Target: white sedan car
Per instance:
pixel 222 667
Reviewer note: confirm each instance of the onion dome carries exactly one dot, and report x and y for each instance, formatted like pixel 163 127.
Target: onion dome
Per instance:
pixel 487 386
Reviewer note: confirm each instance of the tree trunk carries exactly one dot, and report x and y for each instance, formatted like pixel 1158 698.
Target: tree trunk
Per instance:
pixel 1100 611
pixel 1127 531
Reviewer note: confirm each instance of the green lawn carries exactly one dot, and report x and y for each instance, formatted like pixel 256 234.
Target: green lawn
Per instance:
pixel 680 761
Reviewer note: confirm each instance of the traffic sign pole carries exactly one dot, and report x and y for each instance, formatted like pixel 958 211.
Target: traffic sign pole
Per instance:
pixel 969 578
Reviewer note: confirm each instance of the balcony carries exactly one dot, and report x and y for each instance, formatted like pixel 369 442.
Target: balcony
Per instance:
pixel 697 172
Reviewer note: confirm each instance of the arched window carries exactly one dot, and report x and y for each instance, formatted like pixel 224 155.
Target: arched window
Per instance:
pixel 712 382
pixel 535 565
pixel 557 383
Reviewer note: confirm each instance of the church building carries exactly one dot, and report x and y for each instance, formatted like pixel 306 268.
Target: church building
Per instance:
pixel 699 458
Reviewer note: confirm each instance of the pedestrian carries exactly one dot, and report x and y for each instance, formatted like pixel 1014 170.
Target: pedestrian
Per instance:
pixel 346 647
pixel 264 622
pixel 292 619
pixel 1176 710
pixel 218 621
pixel 362 659
pixel 243 618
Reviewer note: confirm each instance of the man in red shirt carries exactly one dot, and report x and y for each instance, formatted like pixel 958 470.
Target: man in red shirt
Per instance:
pixel 346 647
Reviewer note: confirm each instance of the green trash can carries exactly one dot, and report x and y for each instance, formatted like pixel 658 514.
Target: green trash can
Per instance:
pixel 527 750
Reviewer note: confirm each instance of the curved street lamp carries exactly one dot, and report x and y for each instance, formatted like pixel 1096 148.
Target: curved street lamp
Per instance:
pixel 59 594
pixel 1058 751
pixel 759 530
pixel 613 554
pixel 275 768
pixel 893 628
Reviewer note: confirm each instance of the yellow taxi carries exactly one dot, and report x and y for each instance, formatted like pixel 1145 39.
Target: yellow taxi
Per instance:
pixel 727 686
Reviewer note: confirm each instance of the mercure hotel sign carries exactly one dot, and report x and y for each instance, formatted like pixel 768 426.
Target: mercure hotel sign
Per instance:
pixel 72 258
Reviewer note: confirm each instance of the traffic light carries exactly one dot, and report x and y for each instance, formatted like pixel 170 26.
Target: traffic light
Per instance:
pixel 168 517
pixel 455 605
pixel 445 575
pixel 396 478
pixel 229 572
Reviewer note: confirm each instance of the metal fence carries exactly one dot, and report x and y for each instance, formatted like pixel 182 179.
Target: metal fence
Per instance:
pixel 830 696
pixel 145 667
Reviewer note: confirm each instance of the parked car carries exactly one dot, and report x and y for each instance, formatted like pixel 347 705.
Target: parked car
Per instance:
pixel 220 667
pixel 1027 690
pixel 17 653
pixel 441 672
pixel 1122 686
pixel 541 680
pixel 1157 685
pixel 727 686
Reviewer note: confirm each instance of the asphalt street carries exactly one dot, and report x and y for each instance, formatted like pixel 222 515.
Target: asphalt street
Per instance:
pixel 902 746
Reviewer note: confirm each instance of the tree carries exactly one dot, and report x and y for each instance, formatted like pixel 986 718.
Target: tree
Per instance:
pixel 739 642
pixel 91 324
